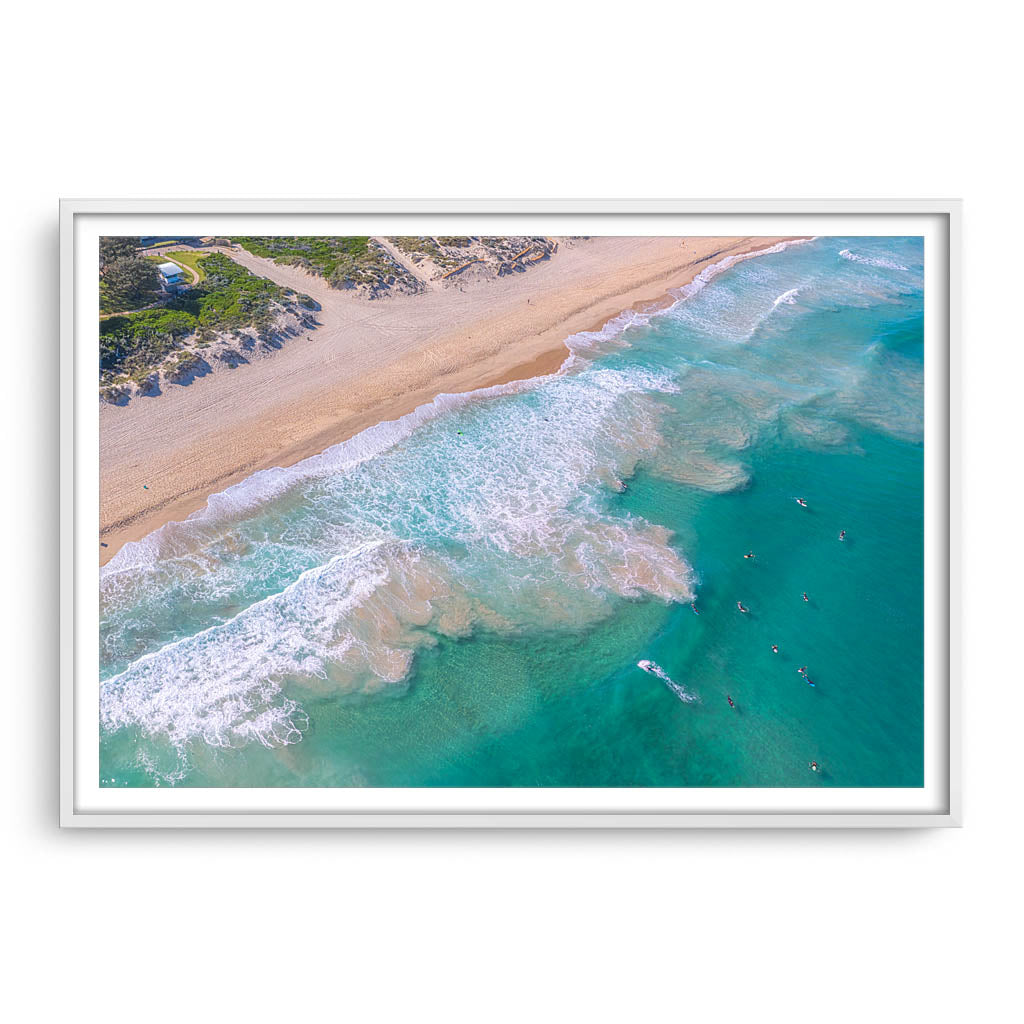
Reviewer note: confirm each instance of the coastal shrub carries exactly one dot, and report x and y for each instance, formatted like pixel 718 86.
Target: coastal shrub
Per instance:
pixel 418 247
pixel 115 392
pixel 148 322
pixel 229 298
pixel 116 247
pixel 180 366
pixel 129 282
pixel 324 255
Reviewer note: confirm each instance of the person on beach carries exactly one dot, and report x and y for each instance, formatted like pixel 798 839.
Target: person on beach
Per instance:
pixel 739 604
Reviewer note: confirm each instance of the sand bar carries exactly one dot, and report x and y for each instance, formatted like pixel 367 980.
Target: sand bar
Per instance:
pixel 370 361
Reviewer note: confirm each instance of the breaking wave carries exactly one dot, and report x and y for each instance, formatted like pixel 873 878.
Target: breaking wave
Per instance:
pixel 497 510
pixel 872 261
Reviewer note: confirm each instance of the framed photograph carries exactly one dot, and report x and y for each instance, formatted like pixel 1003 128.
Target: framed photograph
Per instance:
pixel 509 513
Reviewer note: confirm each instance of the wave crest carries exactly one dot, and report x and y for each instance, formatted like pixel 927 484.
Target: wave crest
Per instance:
pixel 872 261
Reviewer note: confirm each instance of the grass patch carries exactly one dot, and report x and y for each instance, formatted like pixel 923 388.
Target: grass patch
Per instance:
pixel 192 260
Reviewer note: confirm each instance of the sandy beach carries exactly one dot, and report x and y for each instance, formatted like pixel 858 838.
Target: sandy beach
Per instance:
pixel 370 361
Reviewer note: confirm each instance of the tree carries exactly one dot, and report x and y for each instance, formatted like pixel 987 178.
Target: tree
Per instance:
pixel 116 247
pixel 130 281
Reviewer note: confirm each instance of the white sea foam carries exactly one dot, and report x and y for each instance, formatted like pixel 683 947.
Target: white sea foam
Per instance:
pixel 532 555
pixel 709 273
pixel 681 692
pixel 788 298
pixel 329 576
pixel 222 685
pixel 614 329
pixel 255 491
pixel 872 261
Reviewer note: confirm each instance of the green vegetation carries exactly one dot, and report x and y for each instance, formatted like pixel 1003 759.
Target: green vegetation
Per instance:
pixel 323 255
pixel 117 247
pixel 191 259
pixel 183 364
pixel 341 261
pixel 417 246
pixel 229 298
pixel 420 246
pixel 128 282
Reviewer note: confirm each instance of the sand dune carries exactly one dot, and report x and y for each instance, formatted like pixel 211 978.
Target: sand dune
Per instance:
pixel 370 361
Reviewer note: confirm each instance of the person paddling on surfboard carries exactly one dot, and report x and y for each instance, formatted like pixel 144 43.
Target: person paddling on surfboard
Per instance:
pixel 801 502
pixel 729 699
pixel 740 605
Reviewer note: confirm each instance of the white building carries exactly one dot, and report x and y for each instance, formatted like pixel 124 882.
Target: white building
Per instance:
pixel 171 276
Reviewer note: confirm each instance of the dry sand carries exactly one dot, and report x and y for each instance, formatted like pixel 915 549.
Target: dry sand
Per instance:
pixel 370 361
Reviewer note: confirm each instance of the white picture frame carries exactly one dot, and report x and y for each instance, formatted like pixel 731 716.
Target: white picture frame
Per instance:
pixel 79 806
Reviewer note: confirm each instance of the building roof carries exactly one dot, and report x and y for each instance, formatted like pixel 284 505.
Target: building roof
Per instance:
pixel 170 269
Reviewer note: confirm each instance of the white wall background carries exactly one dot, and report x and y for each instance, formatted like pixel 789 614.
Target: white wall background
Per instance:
pixel 525 99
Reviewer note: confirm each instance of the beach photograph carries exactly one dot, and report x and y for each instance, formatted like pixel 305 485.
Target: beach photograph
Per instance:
pixel 511 511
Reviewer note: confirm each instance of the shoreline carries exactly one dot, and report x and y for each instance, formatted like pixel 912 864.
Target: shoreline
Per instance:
pixel 320 398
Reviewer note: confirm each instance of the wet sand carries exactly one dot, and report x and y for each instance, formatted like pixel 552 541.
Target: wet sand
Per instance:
pixel 370 361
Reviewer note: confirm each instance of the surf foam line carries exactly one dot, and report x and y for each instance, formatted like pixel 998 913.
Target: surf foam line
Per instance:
pixel 871 261
pixel 267 484
pixel 171 691
pixel 263 486
pixel 789 298
pixel 617 326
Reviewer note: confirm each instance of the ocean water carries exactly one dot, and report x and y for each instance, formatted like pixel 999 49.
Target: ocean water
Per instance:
pixel 460 598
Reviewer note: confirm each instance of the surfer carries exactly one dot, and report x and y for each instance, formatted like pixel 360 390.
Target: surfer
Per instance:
pixel 801 502
pixel 806 598
pixel 842 535
pixel 775 648
pixel 739 604
pixel 729 699
pixel 802 670
pixel 693 605
pixel 749 554
pixel 813 765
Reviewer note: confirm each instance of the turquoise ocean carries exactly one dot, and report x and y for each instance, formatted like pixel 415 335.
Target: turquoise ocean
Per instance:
pixel 461 597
